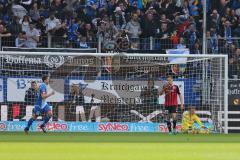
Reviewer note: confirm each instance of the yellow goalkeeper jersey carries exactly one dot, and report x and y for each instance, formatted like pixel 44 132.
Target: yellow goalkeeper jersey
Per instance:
pixel 188 120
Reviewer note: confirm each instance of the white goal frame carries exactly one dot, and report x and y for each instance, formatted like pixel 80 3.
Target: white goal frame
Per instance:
pixel 225 57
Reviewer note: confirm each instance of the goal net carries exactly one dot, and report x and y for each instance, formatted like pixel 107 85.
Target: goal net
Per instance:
pixel 114 87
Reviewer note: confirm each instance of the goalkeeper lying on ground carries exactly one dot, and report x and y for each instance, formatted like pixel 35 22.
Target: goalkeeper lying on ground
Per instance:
pixel 191 123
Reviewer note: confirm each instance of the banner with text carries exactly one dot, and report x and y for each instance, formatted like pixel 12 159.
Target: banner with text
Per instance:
pixel 19 86
pixel 234 92
pixel 118 92
pixel 89 127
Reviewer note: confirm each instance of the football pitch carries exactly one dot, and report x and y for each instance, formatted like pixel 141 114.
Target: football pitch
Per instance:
pixel 118 146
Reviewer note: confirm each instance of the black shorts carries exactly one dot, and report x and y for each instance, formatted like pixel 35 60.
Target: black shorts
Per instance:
pixel 171 109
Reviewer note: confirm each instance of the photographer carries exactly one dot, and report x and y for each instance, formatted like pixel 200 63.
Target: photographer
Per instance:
pixel 76 96
pixel 31 94
pixel 149 95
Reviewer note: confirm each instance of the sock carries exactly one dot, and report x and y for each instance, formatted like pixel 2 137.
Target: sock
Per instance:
pixel 45 120
pixel 169 126
pixel 30 122
pixel 174 124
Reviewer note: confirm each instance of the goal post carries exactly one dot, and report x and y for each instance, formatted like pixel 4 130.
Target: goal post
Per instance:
pixel 114 91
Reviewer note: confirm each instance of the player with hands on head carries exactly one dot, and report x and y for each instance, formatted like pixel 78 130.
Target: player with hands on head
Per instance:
pixel 171 92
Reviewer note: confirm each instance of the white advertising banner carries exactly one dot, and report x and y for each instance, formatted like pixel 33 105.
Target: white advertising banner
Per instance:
pixel 175 60
pixel 118 92
pixel 17 87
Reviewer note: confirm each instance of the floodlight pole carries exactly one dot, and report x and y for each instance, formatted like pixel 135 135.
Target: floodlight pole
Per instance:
pixel 204 26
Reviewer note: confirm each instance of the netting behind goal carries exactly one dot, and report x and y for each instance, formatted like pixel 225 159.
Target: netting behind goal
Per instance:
pixel 113 87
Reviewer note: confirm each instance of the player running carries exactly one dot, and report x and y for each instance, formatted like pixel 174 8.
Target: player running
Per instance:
pixel 171 92
pixel 41 106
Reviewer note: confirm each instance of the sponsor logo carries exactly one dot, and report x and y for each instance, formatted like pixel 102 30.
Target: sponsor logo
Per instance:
pixel 179 128
pixel 50 61
pixel 236 101
pixel 77 127
pixel 53 61
pixel 164 129
pixel 140 128
pixel 3 126
pixel 55 126
pixel 113 127
pixel 16 126
pixel 21 60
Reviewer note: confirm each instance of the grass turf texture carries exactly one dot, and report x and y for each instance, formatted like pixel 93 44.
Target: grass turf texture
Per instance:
pixel 118 146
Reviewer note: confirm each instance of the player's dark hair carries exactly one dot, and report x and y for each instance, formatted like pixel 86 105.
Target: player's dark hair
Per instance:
pixel 44 78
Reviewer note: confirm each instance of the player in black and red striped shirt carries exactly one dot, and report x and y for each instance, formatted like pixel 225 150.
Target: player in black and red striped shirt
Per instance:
pixel 172 93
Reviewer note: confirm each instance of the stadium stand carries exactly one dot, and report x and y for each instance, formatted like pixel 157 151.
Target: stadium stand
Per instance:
pixel 146 25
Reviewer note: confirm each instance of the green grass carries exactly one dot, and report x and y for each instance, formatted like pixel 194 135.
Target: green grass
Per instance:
pixel 118 146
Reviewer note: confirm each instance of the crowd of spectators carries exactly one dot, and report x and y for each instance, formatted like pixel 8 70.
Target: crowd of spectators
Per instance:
pixel 80 23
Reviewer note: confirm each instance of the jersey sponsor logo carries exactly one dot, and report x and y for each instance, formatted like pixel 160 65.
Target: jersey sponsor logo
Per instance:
pixel 112 127
pixel 3 126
